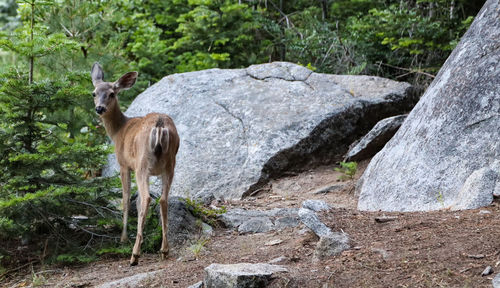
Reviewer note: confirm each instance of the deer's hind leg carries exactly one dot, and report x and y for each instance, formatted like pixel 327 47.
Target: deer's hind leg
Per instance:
pixel 167 177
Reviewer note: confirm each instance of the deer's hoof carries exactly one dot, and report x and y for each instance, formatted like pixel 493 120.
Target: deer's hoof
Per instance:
pixel 134 260
pixel 164 255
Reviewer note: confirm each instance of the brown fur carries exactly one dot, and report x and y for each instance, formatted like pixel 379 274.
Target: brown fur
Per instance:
pixel 147 145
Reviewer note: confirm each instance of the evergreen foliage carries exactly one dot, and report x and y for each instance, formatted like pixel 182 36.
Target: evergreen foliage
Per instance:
pixel 48 191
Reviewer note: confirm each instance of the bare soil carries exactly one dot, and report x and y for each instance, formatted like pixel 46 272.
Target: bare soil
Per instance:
pixel 434 249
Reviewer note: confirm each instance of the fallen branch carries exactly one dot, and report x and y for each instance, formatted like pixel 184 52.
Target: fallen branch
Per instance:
pixel 410 71
pixel 17 268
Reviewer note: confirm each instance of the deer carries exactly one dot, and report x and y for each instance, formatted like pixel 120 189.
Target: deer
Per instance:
pixel 147 145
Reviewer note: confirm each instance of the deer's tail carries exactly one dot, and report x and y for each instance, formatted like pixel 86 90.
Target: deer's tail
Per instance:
pixel 159 138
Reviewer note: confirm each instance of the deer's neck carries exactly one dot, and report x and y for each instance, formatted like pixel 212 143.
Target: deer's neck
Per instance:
pixel 114 120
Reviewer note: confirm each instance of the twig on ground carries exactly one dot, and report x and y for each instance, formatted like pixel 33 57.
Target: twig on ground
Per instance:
pixel 17 268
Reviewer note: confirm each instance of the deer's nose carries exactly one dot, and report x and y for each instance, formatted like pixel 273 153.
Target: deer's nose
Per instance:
pixel 100 109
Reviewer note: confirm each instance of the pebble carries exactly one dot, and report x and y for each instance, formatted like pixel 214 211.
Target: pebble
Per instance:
pixel 487 271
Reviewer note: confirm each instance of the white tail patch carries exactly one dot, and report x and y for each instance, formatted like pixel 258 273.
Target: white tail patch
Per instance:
pixel 158 140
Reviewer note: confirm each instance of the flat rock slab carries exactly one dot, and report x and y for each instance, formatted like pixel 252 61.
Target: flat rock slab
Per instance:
pixel 446 153
pixel 132 281
pixel 241 275
pixel 312 221
pixel 316 205
pixel 375 140
pixel 241 127
pixel 257 221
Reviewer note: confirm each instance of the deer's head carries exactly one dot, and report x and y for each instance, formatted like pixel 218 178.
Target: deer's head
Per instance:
pixel 105 92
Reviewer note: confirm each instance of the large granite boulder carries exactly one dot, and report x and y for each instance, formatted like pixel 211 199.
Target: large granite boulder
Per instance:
pixel 240 127
pixel 446 154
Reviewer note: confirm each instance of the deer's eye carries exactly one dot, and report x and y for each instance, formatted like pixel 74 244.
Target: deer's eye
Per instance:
pixel 93 94
pixel 112 95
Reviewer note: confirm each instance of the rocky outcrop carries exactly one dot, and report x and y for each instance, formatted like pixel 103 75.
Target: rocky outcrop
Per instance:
pixel 445 155
pixel 241 275
pixel 375 140
pixel 241 127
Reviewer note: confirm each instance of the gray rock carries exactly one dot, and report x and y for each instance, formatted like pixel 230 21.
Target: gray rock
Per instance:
pixel 182 225
pixel 132 281
pixel 315 205
pixel 496 281
pixel 331 245
pixel 257 221
pixel 487 271
pixel 442 155
pixel 286 222
pixel 311 220
pixel 197 285
pixel 256 225
pixel 241 275
pixel 207 229
pixel 375 140
pixel 241 127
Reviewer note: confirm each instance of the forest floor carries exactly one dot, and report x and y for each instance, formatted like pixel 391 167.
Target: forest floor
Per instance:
pixel 436 249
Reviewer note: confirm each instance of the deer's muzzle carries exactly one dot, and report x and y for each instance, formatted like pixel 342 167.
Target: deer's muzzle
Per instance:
pixel 100 109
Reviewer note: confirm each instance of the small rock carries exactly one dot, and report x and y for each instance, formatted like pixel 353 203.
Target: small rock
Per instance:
pixel 478 256
pixel 273 242
pixel 484 212
pixel 207 229
pixel 331 245
pixel 241 275
pixel 315 205
pixel 384 219
pixel 197 285
pixel 496 281
pixel 311 220
pixel 487 271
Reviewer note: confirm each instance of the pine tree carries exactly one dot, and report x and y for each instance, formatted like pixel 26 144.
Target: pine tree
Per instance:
pixel 47 168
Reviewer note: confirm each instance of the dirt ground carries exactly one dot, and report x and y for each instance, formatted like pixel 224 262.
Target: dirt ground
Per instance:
pixel 437 249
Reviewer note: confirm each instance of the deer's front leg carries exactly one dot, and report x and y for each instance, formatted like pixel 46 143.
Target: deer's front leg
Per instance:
pixel 142 178
pixel 125 177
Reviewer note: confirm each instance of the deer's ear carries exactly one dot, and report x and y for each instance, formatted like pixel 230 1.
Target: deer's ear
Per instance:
pixel 126 81
pixel 96 74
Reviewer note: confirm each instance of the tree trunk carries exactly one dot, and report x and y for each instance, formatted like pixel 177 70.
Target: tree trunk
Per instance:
pixel 324 7
pixel 32 57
